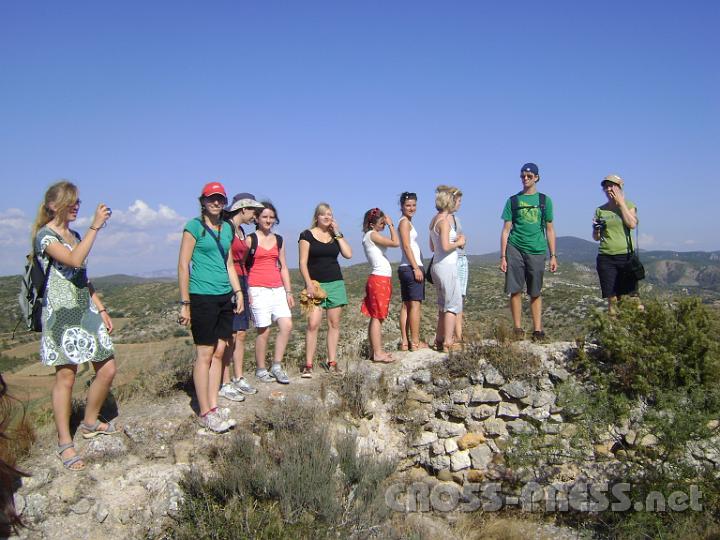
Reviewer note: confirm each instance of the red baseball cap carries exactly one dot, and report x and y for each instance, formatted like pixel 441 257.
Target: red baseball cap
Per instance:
pixel 214 188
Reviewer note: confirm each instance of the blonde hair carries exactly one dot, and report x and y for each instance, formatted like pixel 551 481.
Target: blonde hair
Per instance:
pixel 319 209
pixel 64 194
pixel 446 197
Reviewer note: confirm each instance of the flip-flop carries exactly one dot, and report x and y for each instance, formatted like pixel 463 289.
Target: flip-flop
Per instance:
pixel 403 346
pixel 387 360
pixel 92 431
pixel 69 462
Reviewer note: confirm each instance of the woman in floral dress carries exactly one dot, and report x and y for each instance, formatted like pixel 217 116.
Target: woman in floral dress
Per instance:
pixel 76 325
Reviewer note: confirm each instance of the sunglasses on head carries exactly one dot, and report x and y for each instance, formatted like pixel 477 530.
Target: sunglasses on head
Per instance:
pixel 407 195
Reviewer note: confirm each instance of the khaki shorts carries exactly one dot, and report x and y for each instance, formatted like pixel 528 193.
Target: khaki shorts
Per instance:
pixel 524 270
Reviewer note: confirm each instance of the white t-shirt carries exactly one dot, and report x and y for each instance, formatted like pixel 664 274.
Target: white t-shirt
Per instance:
pixel 414 247
pixel 376 256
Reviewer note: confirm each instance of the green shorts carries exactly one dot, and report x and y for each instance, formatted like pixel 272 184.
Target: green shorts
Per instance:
pixel 336 294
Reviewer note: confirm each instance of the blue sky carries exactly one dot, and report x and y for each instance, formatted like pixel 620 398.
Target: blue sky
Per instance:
pixel 141 103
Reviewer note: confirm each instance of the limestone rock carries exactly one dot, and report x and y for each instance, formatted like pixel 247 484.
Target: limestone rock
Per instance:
pixel 538 414
pixel 446 429
pixel 484 411
pixel 81 507
pixel 520 426
pixel 481 456
pixel 470 440
pixel 422 376
pixel 485 395
pixel 105 446
pixel 508 410
pixel 649 440
pixel 451 446
pixel 459 397
pixel 492 376
pixel 438 447
pixel 460 460
pixel 559 374
pixel 495 427
pixel 515 389
pixel 418 395
pixel 543 398
pixel 439 463
pixel 36 507
pixel 445 475
pixel 426 438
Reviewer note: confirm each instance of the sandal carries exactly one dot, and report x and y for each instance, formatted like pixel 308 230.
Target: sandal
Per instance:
pixel 417 346
pixel 453 347
pixel 306 372
pixel 92 431
pixel 69 462
pixel 439 345
pixel 403 346
pixel 387 360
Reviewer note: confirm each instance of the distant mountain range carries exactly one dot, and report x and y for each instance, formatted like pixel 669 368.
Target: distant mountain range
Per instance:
pixel 666 268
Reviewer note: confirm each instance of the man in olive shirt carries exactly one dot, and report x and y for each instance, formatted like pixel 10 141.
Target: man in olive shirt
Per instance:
pixel 526 235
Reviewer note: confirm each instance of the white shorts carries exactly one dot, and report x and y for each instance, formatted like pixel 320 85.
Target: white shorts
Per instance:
pixel 268 305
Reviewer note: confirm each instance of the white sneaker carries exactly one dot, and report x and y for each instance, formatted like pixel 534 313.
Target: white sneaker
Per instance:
pixel 263 375
pixel 280 376
pixel 228 391
pixel 242 385
pixel 214 423
pixel 224 414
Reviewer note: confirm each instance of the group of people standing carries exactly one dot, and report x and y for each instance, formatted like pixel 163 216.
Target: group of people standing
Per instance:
pixel 228 278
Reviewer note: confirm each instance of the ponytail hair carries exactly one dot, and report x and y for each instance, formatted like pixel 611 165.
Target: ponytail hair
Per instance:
pixel 372 216
pixel 64 195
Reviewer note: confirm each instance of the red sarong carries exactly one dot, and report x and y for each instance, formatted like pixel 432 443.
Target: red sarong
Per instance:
pixel 378 291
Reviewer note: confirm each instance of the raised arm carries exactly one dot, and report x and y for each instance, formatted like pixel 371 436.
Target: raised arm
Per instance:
pixel 76 257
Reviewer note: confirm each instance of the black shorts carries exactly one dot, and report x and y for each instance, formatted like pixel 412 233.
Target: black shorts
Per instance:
pixel 211 318
pixel 241 321
pixel 614 280
pixel 410 290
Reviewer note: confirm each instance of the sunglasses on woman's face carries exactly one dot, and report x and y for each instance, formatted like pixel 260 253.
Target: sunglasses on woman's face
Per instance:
pixel 216 199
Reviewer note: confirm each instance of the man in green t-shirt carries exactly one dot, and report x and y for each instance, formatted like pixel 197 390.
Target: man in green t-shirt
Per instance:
pixel 526 235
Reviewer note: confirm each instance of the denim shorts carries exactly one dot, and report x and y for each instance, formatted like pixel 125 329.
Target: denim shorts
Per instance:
pixel 410 290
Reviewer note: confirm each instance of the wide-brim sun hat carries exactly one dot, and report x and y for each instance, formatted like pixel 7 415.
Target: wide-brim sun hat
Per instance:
pixel 613 179
pixel 243 200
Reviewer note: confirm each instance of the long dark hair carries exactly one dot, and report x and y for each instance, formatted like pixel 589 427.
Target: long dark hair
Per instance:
pixel 10 521
pixel 267 205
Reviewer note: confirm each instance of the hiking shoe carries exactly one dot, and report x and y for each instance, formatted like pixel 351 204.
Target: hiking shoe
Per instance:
pixel 212 422
pixel 538 335
pixel 224 414
pixel 263 375
pixel 243 386
pixel 229 391
pixel 279 374
pixel 518 334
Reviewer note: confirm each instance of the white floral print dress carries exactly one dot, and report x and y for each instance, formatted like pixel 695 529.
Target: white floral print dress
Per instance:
pixel 73 330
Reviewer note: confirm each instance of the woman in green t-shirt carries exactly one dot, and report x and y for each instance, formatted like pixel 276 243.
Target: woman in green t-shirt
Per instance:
pixel 612 226
pixel 207 295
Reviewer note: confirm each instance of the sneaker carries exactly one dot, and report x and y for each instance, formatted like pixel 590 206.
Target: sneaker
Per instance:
pixel 263 375
pixel 228 391
pixel 538 335
pixel 279 374
pixel 214 423
pixel 224 414
pixel 243 386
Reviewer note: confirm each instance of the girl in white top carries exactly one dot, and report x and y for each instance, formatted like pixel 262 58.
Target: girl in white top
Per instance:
pixel 379 284
pixel 444 241
pixel 412 276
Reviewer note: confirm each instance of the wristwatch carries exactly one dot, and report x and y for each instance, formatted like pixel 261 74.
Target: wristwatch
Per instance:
pixel 339 235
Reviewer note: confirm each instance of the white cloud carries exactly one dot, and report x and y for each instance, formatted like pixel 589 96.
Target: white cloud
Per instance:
pixel 647 241
pixel 690 242
pixel 14 228
pixel 174 238
pixel 140 215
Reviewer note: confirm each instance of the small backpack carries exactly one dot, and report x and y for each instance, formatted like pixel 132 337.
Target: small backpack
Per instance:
pixel 250 258
pixel 515 206
pixel 32 292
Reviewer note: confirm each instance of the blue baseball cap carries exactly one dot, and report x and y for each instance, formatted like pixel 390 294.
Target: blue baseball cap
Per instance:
pixel 530 167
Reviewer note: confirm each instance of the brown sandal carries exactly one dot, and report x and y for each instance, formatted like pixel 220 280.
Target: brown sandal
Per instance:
pixel 417 346
pixel 403 346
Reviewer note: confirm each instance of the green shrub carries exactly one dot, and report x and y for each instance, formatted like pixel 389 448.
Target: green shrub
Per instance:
pixel 289 484
pixel 663 347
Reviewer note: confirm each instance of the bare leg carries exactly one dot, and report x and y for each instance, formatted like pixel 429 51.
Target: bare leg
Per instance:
pixel 612 303
pixel 414 308
pixel 536 311
pixel 62 406
pixel 216 372
pixel 226 358
pixel 516 309
pixel 448 323
pixel 404 325
pixel 459 325
pixel 333 317
pixel 375 337
pixel 313 325
pixel 284 329
pixel 239 353
pixel 201 377
pixel 99 389
pixel 261 341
